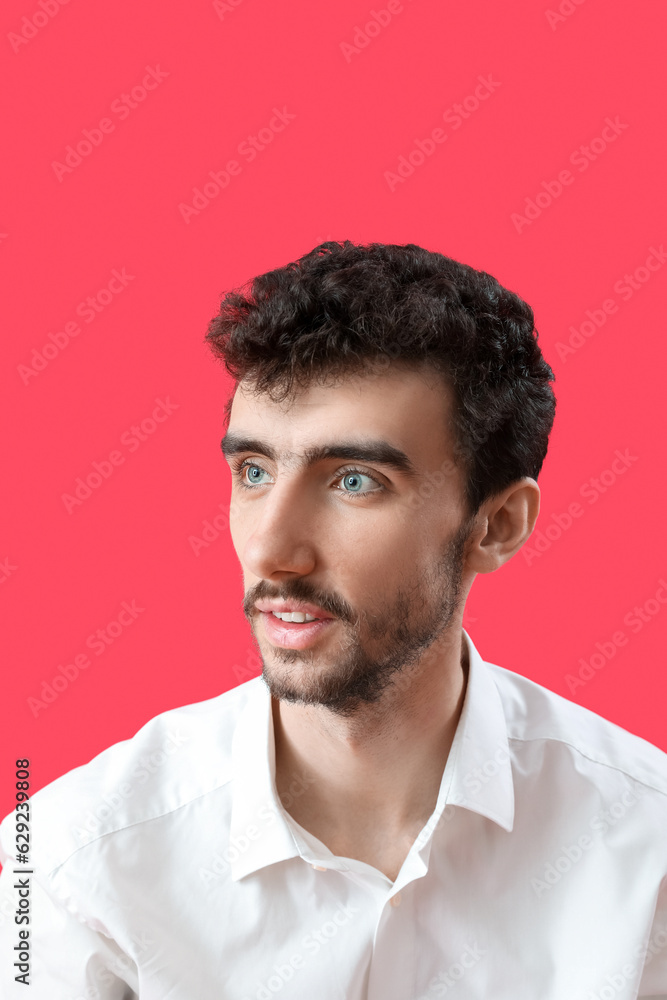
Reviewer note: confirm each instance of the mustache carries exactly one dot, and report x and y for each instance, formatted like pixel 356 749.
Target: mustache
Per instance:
pixel 297 590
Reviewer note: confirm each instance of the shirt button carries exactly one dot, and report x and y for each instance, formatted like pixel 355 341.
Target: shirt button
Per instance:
pixel 319 868
pixel 396 900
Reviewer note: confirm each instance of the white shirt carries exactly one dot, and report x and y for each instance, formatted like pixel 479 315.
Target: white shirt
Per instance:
pixel 167 868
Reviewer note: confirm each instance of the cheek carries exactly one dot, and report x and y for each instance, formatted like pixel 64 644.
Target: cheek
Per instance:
pixel 375 560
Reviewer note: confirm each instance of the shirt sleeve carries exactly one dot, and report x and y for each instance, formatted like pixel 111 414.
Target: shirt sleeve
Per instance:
pixel 67 957
pixel 654 974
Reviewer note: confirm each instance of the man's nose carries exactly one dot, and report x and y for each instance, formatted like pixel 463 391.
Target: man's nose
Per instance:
pixel 284 535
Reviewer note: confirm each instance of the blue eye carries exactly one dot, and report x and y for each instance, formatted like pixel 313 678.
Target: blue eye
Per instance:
pixel 249 475
pixel 353 481
pixel 254 475
pixel 252 469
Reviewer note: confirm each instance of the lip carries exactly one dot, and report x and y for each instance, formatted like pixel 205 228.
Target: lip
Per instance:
pixel 294 635
pixel 282 606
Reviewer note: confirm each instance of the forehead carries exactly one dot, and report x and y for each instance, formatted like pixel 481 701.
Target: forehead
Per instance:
pixel 409 409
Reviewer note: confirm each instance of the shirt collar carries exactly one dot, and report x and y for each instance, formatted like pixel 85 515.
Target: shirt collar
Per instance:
pixel 477 776
pixel 479 760
pixel 260 834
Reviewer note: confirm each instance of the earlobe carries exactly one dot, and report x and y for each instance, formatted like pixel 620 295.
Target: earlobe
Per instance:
pixel 505 524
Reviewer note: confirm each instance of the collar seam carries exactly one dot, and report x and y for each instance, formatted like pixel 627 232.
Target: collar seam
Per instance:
pixel 96 838
pixel 588 755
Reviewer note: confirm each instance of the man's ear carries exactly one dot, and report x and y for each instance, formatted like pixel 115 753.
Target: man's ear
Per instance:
pixel 502 525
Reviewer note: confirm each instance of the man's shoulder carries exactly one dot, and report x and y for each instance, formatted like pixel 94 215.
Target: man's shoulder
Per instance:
pixel 175 758
pixel 535 713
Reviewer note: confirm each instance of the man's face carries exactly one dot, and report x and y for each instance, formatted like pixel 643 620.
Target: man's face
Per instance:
pixel 348 533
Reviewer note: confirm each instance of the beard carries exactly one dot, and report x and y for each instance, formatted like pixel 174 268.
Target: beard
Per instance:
pixel 379 646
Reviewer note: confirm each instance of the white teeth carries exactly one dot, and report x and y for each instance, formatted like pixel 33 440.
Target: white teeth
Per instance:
pixel 294 616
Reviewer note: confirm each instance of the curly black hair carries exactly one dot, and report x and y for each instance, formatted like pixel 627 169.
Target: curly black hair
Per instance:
pixel 344 308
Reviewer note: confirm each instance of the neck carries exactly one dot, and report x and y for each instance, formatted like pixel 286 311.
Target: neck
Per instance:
pixel 381 768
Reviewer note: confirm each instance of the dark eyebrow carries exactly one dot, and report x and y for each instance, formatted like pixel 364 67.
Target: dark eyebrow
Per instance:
pixel 379 452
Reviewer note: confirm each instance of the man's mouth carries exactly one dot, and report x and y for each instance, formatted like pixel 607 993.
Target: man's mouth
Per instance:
pixel 294 629
pixel 295 616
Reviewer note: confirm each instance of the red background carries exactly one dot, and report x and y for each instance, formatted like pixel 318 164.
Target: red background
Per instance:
pixel 323 176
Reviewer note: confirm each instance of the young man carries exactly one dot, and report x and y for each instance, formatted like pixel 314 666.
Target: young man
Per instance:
pixel 382 815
